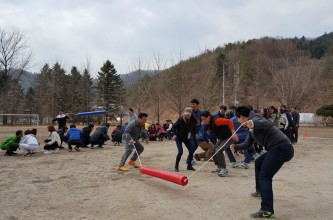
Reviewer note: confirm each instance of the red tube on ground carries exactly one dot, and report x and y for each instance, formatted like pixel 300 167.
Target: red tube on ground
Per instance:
pixel 171 177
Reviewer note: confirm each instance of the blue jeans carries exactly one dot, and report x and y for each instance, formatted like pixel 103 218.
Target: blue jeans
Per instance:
pixel 266 166
pixel 248 154
pixel 188 145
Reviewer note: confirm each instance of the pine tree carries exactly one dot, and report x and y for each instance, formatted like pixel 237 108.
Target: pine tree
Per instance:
pixel 75 98
pixel 86 91
pixel 110 88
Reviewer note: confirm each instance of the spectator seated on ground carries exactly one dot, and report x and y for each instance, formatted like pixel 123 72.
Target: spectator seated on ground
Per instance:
pixel 85 135
pixel 62 133
pixel 12 143
pixel 117 135
pixel 100 136
pixel 152 133
pixel 160 132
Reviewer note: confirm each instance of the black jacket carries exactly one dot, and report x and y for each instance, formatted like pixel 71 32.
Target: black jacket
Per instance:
pixel 101 133
pixel 264 133
pixel 182 129
pixel 86 132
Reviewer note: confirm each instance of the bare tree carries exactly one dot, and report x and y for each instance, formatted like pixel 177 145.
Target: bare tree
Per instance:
pixel 15 57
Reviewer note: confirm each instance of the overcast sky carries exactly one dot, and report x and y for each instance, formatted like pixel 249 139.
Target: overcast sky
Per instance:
pixel 69 31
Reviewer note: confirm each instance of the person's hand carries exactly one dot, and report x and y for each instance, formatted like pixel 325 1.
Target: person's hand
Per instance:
pixel 196 137
pixel 249 124
pixel 174 138
pixel 132 142
pixel 210 143
pixel 235 138
pixel 147 141
pixel 232 148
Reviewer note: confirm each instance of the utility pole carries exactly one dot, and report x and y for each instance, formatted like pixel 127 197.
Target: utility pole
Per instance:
pixel 223 79
pixel 236 79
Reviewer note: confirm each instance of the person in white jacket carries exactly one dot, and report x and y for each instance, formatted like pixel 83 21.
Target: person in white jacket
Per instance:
pixel 53 142
pixel 29 143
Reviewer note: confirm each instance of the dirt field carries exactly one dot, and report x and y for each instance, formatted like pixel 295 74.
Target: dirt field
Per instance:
pixel 85 185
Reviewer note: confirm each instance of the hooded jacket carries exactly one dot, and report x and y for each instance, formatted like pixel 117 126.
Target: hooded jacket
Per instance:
pixel 264 133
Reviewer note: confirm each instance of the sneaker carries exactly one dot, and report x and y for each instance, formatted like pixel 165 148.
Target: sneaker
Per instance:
pixel 70 150
pixel 122 168
pixel 217 170
pixel 263 214
pixel 245 165
pixel 196 156
pixel 56 150
pixel 190 168
pixel 234 164
pixel 27 154
pixel 77 149
pixel 256 194
pixel 48 152
pixel 193 162
pixel 61 147
pixel 223 172
pixel 99 146
pixel 133 164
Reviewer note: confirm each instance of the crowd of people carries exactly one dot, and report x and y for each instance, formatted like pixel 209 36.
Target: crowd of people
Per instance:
pixel 267 134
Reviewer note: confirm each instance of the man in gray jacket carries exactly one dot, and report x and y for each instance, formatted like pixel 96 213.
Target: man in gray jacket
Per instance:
pixel 131 138
pixel 279 150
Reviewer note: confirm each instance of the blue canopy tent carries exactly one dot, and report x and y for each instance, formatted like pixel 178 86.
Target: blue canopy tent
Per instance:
pixel 101 112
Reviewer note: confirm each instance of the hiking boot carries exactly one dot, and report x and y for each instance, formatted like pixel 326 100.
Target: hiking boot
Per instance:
pixel 234 164
pixel 263 214
pixel 196 156
pixel 223 172
pixel 256 194
pixel 245 165
pixel 133 164
pixel 122 168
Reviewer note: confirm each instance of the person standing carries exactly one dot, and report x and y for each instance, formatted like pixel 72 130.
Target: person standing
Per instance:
pixel 197 115
pixel 29 143
pixel 53 142
pixel 61 119
pixel 295 116
pixel 74 138
pixel 279 150
pixel 131 139
pixel 12 143
pixel 131 115
pixel 182 131
pixel 223 130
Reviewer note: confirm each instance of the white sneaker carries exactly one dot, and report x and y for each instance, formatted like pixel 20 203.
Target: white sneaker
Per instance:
pixel 56 150
pixel 48 152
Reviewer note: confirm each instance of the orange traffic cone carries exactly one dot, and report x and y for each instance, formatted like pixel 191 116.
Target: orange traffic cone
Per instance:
pixel 305 134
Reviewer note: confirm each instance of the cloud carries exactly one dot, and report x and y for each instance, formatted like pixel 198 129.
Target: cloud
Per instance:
pixel 70 30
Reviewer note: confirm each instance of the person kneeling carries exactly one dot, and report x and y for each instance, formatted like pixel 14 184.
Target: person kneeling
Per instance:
pixel 74 138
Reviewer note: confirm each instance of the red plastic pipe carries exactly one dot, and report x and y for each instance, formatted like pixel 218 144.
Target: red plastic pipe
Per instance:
pixel 171 177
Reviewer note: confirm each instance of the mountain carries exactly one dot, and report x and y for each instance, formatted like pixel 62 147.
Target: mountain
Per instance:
pixel 135 76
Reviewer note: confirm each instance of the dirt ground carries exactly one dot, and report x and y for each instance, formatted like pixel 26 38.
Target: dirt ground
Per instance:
pixel 85 185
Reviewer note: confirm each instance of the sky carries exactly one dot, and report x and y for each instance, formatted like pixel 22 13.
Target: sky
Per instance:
pixel 126 31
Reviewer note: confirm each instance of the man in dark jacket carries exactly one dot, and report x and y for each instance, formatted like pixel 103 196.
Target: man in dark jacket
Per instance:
pixel 62 131
pixel 279 150
pixel 61 119
pixel 295 116
pixel 85 135
pixel 117 135
pixel 100 136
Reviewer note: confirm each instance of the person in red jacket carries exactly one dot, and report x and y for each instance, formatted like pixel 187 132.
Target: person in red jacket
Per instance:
pixel 160 132
pixel 223 129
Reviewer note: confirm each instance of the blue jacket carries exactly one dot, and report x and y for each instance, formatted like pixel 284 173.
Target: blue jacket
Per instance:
pixel 197 116
pixel 242 132
pixel 206 135
pixel 74 134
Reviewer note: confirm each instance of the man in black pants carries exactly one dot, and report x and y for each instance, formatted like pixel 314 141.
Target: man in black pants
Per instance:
pixel 61 119
pixel 295 117
pixel 279 150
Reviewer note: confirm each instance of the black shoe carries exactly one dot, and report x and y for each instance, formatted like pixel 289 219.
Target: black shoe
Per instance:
pixel 100 146
pixel 77 149
pixel 263 214
pixel 256 194
pixel 61 147
pixel 190 168
pixel 176 170
pixel 70 150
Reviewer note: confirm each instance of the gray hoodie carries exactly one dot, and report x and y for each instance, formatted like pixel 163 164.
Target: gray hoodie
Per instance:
pixel 264 134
